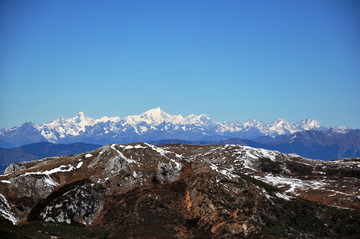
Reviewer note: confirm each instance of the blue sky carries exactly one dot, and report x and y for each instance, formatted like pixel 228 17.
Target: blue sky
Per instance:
pixel 232 60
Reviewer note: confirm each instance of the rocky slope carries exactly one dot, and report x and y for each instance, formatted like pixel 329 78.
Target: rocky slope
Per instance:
pixel 152 125
pixel 184 191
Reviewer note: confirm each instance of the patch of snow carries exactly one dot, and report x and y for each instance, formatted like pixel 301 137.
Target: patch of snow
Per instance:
pixel 250 155
pixel 62 168
pixel 49 181
pixel 6 210
pixel 163 152
pixel 283 196
pixel 88 155
pixel 122 155
pixel 214 167
pixel 138 146
pixel 292 183
pixel 267 196
pixel 157 149
pixel 79 165
pixel 5 181
pixel 268 154
pixel 226 172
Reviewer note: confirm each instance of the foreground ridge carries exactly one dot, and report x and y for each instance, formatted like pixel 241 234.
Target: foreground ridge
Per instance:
pixel 186 191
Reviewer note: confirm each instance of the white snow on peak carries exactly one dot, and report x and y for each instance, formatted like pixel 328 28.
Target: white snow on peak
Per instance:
pixel 106 119
pixel 280 122
pixel 341 129
pixel 307 124
pixel 62 127
pixel 202 119
pixel 156 120
pixel 155 117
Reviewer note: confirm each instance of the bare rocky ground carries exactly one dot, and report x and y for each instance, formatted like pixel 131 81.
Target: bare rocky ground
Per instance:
pixel 181 191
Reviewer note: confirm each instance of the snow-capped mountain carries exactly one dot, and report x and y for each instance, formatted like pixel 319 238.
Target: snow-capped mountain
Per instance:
pixel 154 124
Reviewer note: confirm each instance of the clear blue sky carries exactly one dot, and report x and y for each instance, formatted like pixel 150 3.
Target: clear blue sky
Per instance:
pixel 232 60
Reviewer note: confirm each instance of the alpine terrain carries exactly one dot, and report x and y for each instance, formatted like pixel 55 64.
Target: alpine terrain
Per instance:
pixel 306 138
pixel 152 125
pixel 180 191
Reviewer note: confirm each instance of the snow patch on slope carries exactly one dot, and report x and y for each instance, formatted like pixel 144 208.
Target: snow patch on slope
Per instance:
pixel 62 168
pixel 5 210
pixel 122 155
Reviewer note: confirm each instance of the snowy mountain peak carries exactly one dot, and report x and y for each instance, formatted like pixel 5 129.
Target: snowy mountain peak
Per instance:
pixel 252 123
pixel 81 120
pixel 154 124
pixel 157 115
pixel 154 117
pixel 340 129
pixel 106 119
pixel 280 122
pixel 202 119
pixel 81 115
pixel 60 119
pixel 308 124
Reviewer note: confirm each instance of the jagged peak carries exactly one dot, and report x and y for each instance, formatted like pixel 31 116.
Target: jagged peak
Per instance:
pixel 280 120
pixel 252 122
pixel 341 129
pixel 60 119
pixel 81 115
pixel 306 120
pixel 308 124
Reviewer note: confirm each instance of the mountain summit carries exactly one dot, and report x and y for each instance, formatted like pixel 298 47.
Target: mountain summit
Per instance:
pixel 154 124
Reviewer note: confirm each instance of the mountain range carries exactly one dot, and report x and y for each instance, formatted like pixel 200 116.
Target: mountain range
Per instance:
pixel 324 145
pixel 141 190
pixel 306 137
pixel 154 124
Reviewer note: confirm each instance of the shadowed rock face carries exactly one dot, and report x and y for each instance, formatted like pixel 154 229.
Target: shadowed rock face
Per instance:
pixel 186 191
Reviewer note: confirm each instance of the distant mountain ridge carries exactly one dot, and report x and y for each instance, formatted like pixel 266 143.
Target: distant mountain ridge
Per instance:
pixel 35 151
pixel 152 125
pixel 324 145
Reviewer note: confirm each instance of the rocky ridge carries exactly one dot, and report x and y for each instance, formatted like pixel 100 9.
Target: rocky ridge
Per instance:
pixel 186 191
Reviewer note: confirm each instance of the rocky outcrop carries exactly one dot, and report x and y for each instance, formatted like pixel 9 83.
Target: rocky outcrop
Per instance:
pixel 17 167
